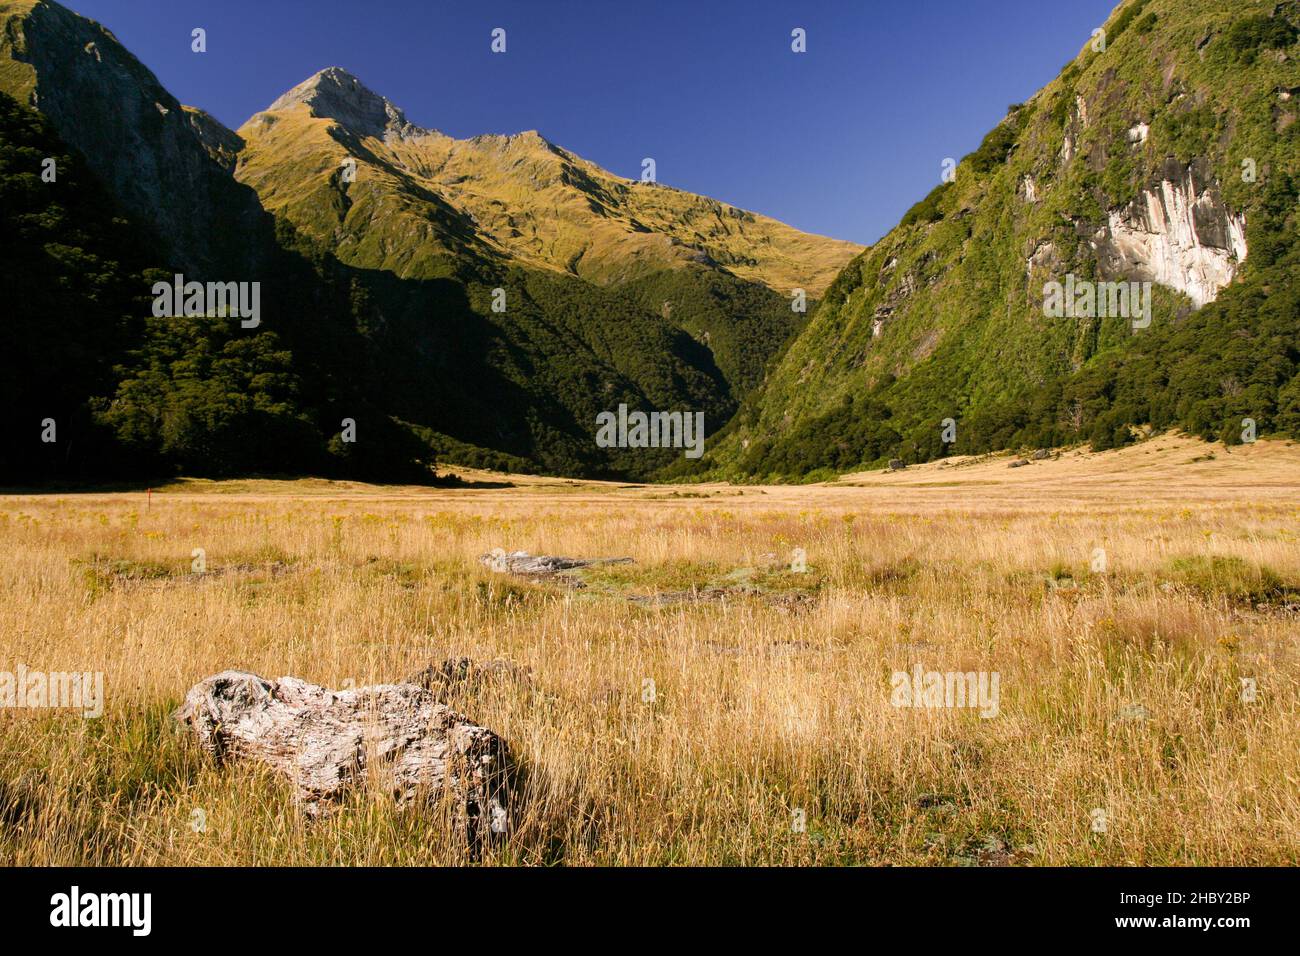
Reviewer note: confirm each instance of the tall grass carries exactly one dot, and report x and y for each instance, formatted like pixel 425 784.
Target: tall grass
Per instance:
pixel 770 737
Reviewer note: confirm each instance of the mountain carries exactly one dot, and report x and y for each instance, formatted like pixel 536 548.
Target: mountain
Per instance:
pixel 422 205
pixel 482 301
pixel 477 302
pixel 420 196
pixel 1166 153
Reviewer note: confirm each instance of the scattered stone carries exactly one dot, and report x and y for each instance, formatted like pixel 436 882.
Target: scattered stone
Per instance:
pixel 916 646
pixel 1280 608
pixel 792 602
pixel 992 850
pixel 1042 455
pixel 700 594
pixel 788 601
pixel 897 464
pixel 1019 463
pixel 936 801
pixel 328 742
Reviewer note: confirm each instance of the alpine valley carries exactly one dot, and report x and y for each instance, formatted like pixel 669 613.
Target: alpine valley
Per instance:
pixel 482 301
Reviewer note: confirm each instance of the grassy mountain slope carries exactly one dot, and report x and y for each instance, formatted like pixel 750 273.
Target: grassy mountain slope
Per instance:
pixel 944 317
pixel 419 195
pixel 131 394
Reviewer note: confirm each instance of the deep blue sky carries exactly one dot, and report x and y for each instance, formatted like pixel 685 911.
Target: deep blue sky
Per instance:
pixel 840 140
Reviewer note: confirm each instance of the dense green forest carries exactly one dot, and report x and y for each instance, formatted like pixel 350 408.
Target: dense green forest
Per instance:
pixel 133 396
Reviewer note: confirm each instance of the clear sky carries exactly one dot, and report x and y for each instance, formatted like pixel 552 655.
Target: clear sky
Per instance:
pixel 840 140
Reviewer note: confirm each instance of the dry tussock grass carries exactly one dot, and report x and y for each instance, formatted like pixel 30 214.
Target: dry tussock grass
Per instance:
pixel 1120 691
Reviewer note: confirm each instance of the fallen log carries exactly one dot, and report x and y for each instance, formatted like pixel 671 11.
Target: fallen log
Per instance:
pixel 540 565
pixel 326 742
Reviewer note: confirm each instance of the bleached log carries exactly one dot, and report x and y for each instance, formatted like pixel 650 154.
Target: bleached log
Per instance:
pixel 540 565
pixel 326 742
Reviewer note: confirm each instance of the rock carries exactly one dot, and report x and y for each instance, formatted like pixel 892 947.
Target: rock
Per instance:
pixel 336 94
pixel 1042 455
pixel 897 464
pixel 327 742
pixel 1134 713
pixel 1180 234
pixel 540 565
pixel 1018 463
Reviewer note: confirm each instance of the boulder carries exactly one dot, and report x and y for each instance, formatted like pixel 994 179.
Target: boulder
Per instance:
pixel 328 742
pixel 897 464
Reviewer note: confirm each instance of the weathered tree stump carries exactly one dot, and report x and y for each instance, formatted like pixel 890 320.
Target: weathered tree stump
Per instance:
pixel 326 742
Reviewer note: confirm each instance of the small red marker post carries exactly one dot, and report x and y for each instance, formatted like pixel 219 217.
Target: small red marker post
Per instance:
pixel 148 499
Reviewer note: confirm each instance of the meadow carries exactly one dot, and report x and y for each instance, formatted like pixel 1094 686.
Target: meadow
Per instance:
pixel 715 702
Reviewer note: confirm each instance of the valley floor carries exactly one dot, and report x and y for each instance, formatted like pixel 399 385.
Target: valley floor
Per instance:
pixel 711 703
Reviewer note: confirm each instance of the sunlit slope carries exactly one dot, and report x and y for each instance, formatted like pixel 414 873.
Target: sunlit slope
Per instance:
pixel 420 197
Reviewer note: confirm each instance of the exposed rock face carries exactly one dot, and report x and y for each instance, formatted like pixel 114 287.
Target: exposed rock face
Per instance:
pixel 1137 135
pixel 1179 234
pixel 1028 189
pixel 327 742
pixel 1044 258
pixel 133 133
pixel 336 94
pixel 222 144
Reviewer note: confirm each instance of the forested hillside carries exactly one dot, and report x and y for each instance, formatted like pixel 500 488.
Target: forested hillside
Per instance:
pixel 1166 153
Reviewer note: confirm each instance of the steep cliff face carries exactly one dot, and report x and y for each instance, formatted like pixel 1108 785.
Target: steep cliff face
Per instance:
pixel 133 133
pixel 1180 234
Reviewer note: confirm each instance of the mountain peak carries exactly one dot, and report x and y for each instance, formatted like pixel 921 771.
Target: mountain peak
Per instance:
pixel 334 93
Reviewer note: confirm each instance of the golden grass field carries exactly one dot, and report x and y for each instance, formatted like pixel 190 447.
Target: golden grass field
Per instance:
pixel 1121 690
